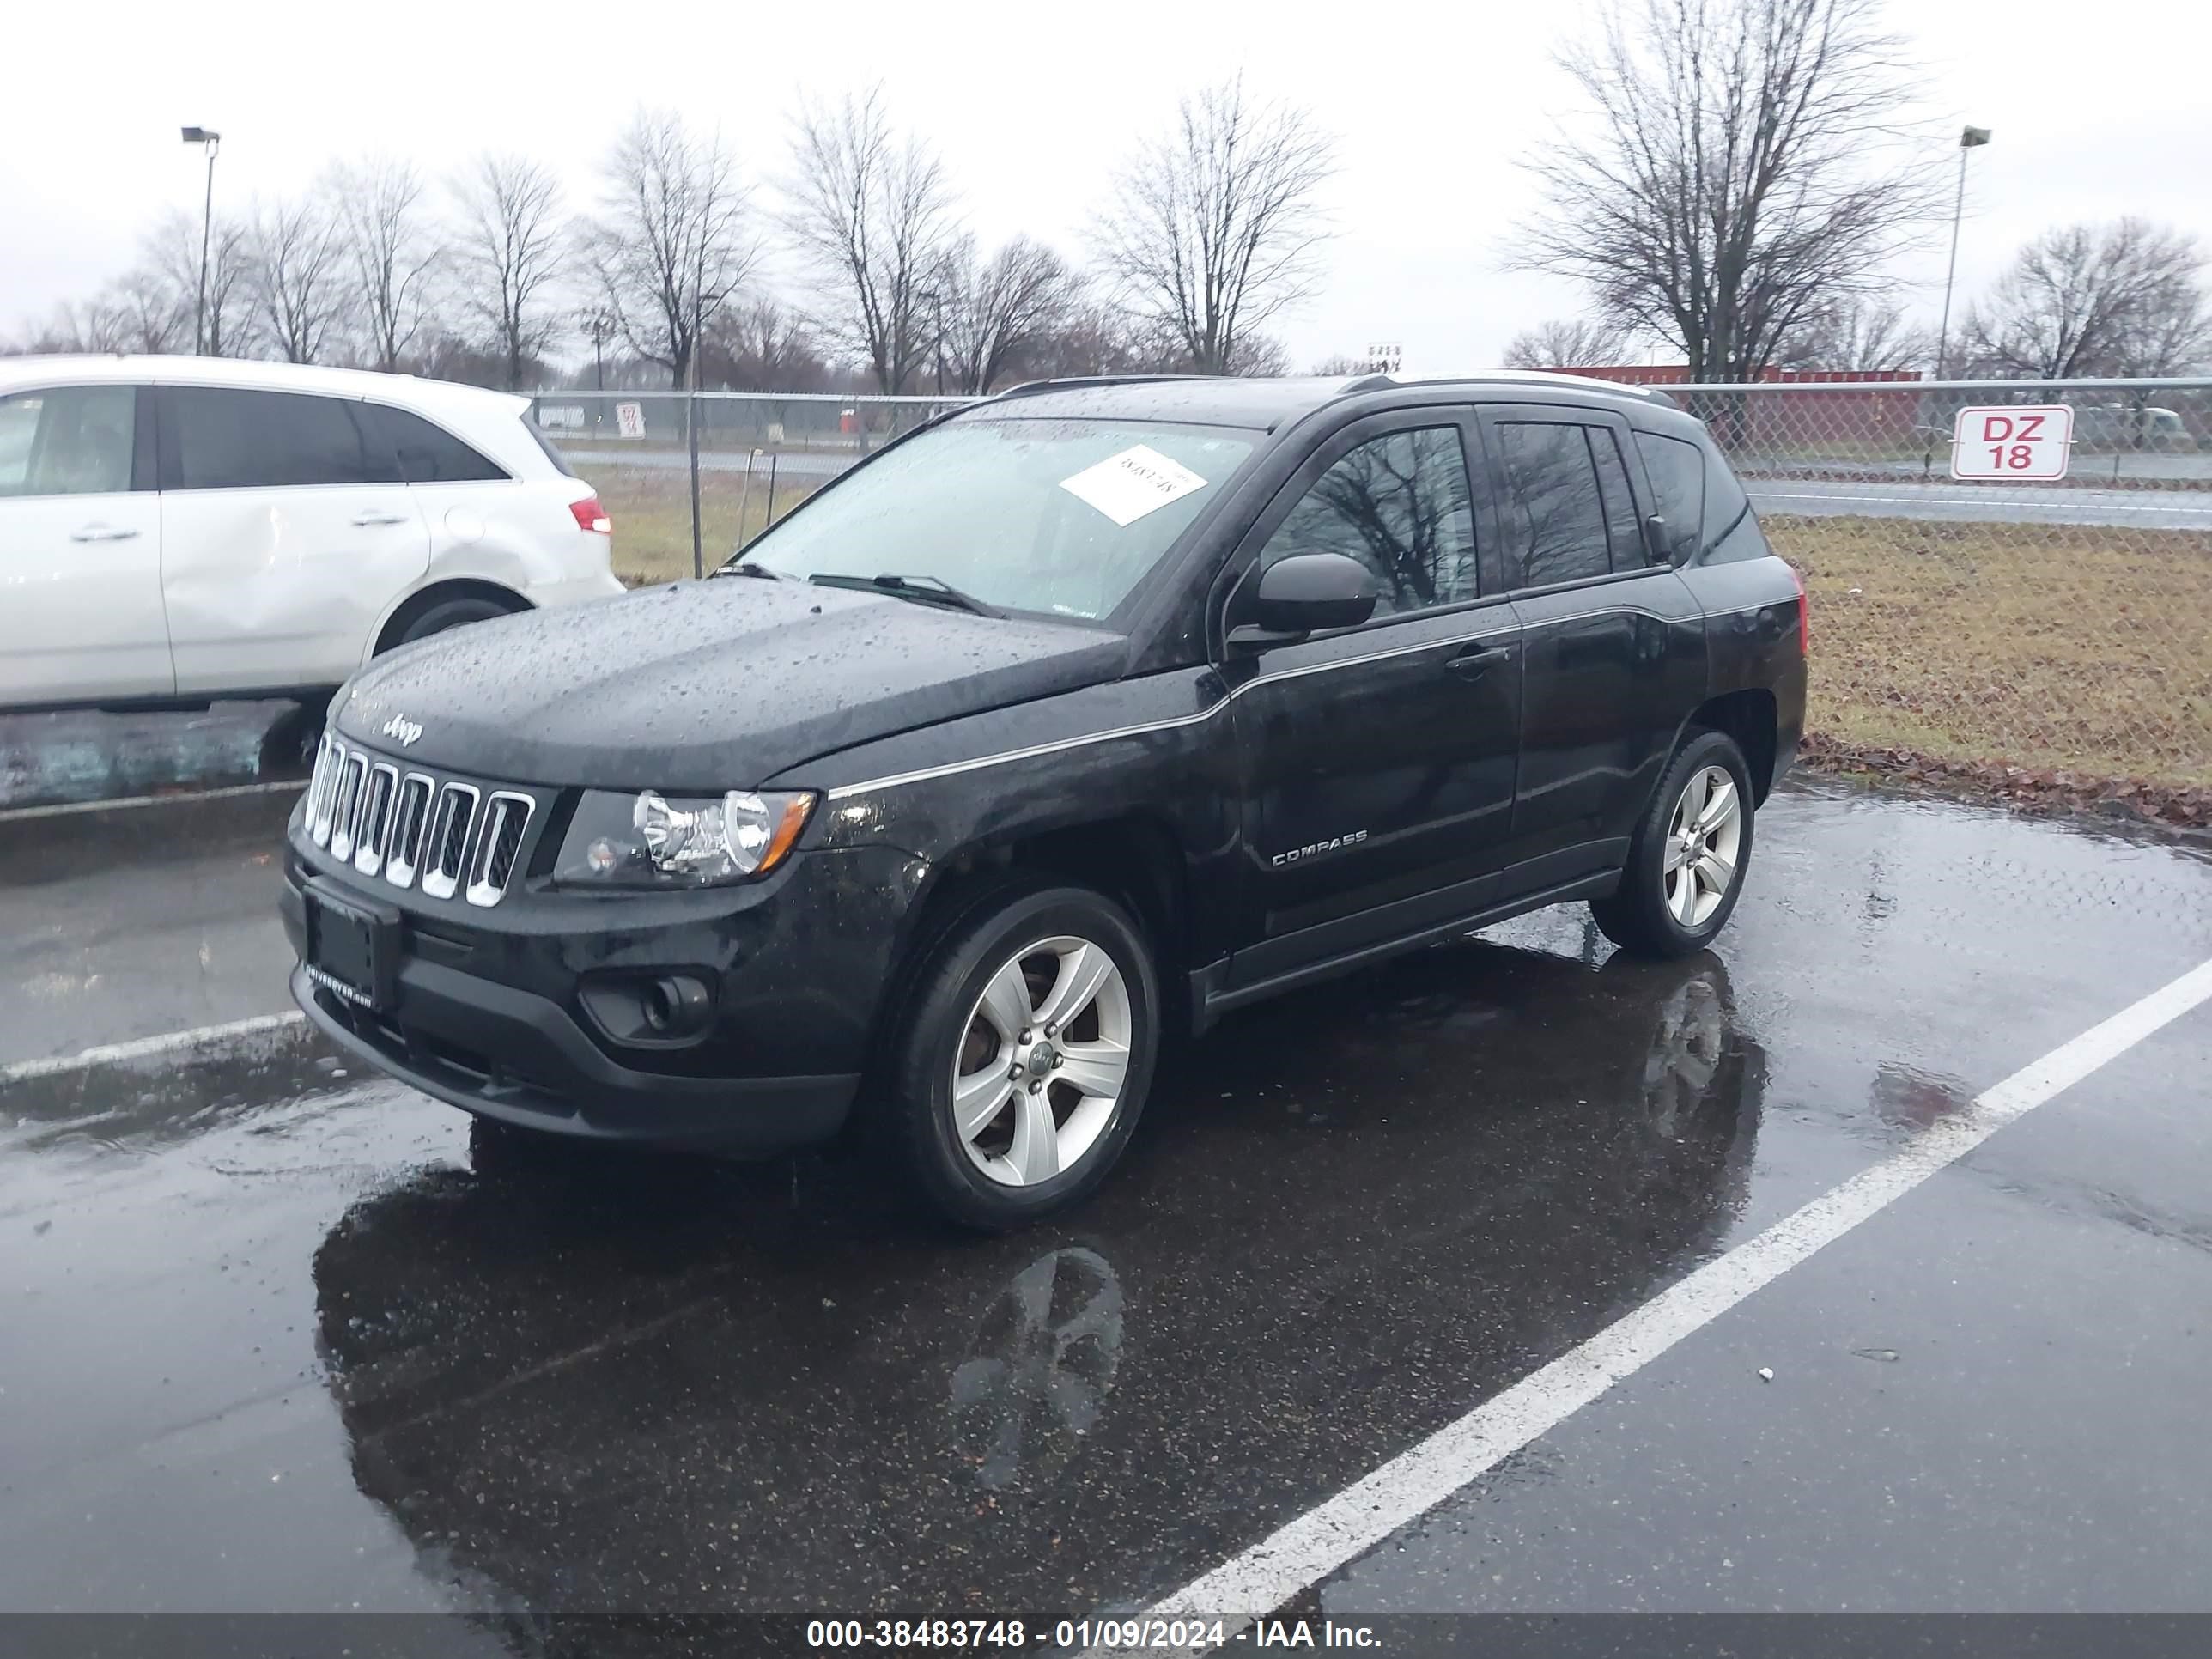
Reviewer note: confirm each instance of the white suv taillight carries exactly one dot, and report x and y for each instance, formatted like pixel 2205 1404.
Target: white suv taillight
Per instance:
pixel 590 515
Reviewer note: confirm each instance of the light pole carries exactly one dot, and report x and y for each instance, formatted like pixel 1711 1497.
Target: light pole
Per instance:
pixel 598 322
pixel 1969 138
pixel 210 141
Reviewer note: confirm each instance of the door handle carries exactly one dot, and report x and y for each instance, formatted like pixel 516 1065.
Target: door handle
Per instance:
pixel 1473 664
pixel 101 532
pixel 374 516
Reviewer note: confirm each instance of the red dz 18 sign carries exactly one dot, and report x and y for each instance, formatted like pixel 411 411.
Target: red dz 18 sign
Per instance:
pixel 2012 441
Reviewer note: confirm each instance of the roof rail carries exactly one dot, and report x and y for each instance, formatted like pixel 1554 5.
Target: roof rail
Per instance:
pixel 1084 382
pixel 1520 377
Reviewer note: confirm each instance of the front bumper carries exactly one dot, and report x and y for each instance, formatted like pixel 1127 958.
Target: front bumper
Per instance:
pixel 517 1058
pixel 488 1010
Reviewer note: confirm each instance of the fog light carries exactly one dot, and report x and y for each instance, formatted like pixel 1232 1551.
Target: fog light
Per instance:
pixel 654 1010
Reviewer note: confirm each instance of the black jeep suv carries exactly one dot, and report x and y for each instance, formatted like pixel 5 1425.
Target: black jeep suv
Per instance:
pixel 1078 716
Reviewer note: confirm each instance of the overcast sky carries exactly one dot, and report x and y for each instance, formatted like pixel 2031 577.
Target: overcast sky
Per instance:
pixel 2097 111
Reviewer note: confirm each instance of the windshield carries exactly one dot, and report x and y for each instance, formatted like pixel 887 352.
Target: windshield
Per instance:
pixel 1060 516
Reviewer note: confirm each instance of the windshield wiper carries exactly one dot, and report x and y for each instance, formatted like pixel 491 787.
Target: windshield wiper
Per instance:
pixel 924 590
pixel 747 568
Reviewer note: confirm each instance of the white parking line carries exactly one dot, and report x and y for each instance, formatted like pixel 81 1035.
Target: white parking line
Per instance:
pixel 114 1053
pixel 16 814
pixel 1298 1555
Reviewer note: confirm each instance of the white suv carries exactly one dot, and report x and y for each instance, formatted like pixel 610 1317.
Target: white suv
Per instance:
pixel 174 529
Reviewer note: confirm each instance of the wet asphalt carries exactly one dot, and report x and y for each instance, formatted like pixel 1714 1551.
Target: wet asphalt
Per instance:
pixel 278 1335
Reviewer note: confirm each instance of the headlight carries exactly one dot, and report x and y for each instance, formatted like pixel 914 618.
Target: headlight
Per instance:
pixel 652 841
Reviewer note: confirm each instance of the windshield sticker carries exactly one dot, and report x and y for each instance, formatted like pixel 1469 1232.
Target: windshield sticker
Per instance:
pixel 1138 481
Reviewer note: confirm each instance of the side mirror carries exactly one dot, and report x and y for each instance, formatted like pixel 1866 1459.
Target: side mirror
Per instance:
pixel 1655 549
pixel 1303 594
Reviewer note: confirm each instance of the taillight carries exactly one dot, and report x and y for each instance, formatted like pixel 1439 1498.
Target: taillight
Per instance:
pixel 1804 616
pixel 590 515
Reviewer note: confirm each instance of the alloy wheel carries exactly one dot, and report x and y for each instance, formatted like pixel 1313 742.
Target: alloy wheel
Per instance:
pixel 1704 840
pixel 1042 1060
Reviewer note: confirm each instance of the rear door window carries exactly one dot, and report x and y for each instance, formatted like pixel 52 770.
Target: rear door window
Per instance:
pixel 229 438
pixel 426 454
pixel 1676 471
pixel 67 440
pixel 1555 516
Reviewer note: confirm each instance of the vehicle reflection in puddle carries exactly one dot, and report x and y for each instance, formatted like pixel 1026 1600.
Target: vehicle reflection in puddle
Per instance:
pixel 626 1382
pixel 1043 1365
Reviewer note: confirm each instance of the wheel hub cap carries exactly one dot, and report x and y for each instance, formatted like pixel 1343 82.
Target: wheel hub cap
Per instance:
pixel 1028 1107
pixel 1703 844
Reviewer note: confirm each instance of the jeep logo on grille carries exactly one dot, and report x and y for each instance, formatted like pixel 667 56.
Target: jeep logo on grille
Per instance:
pixel 401 727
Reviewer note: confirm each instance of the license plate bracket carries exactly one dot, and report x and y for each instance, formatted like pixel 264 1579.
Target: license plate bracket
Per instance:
pixel 353 945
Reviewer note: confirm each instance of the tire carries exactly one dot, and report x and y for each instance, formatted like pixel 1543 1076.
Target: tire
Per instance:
pixel 289 745
pixel 1651 914
pixel 450 613
pixel 1044 944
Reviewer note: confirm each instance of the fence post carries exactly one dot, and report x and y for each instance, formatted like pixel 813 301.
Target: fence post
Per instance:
pixel 745 494
pixel 691 438
pixel 772 459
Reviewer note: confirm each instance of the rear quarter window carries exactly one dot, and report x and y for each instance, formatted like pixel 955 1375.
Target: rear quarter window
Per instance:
pixel 427 454
pixel 1707 516
pixel 1677 473
pixel 1731 528
pixel 552 453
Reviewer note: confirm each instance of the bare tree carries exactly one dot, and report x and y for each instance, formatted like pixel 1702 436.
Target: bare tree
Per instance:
pixel 296 276
pixel 993 311
pixel 1568 342
pixel 1096 338
pixel 1217 228
pixel 1256 355
pixel 872 212
pixel 1740 170
pixel 78 325
pixel 671 248
pixel 446 356
pixel 764 346
pixel 1857 333
pixel 377 205
pixel 2123 299
pixel 153 316
pixel 142 311
pixel 506 256
pixel 172 249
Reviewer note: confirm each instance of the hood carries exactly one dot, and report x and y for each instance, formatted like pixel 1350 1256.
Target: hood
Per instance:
pixel 706 686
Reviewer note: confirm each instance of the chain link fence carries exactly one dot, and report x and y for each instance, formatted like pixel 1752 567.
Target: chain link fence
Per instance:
pixel 757 455
pixel 2062 626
